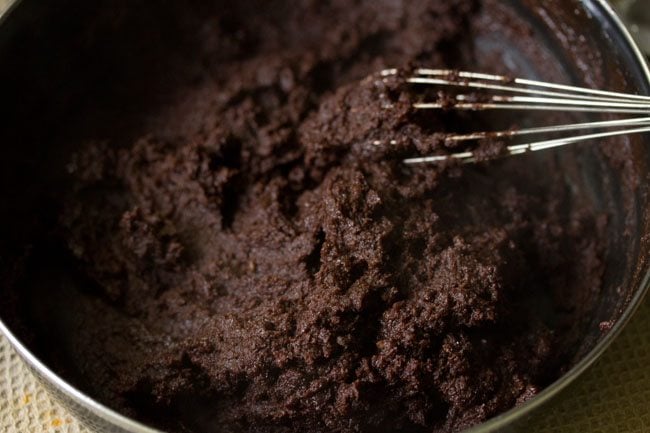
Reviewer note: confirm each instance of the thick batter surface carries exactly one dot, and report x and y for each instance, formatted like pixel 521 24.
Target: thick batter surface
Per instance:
pixel 254 262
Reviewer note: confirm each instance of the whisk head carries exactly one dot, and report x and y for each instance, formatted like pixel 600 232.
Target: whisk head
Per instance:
pixel 517 94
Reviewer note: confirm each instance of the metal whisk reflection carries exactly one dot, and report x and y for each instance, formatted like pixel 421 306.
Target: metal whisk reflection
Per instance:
pixel 517 94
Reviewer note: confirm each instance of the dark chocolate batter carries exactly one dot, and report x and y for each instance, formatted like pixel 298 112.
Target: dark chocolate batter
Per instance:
pixel 254 262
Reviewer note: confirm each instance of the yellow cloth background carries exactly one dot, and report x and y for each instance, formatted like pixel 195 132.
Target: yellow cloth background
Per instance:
pixel 612 396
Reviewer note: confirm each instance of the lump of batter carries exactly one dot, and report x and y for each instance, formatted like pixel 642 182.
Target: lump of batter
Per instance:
pixel 258 259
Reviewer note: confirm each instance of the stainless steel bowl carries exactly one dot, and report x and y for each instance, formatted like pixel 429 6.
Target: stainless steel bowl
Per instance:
pixel 612 36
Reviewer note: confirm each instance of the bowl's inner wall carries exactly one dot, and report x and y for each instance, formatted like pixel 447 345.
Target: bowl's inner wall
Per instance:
pixel 59 72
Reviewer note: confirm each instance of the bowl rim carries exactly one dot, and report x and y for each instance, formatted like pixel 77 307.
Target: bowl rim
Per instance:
pixel 518 413
pixel 500 421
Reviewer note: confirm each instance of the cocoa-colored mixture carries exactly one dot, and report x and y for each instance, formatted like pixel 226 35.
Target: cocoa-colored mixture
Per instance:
pixel 253 261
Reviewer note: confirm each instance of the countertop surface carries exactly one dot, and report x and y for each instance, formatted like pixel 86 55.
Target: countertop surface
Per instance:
pixel 612 396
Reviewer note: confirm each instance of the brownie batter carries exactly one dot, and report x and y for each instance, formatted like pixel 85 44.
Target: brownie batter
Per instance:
pixel 255 257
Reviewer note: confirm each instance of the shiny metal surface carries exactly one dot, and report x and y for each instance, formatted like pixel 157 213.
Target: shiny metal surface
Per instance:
pixel 102 419
pixel 540 96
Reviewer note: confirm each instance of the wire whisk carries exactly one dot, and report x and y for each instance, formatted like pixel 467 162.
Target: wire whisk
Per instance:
pixel 518 94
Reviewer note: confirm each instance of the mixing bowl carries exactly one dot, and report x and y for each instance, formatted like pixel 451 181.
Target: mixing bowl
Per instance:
pixel 33 34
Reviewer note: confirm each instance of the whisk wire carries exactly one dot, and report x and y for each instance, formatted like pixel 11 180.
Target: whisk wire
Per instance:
pixel 528 95
pixel 481 106
pixel 512 89
pixel 528 147
pixel 526 82
pixel 549 129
